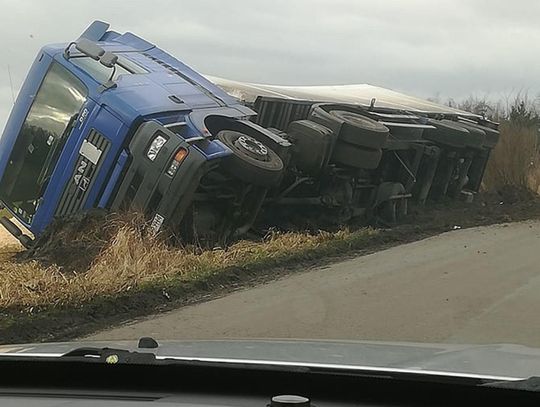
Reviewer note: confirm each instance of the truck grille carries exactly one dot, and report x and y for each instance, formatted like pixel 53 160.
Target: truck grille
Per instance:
pixel 91 154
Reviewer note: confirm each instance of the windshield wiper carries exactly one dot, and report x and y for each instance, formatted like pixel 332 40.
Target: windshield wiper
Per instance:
pixel 115 356
pixel 110 356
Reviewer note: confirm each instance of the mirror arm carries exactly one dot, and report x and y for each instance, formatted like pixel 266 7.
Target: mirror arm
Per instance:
pixel 110 84
pixel 113 73
pixel 66 51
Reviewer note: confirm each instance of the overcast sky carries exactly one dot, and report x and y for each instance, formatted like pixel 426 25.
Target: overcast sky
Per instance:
pixel 450 48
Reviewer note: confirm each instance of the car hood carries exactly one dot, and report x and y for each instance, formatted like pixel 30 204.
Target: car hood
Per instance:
pixel 498 361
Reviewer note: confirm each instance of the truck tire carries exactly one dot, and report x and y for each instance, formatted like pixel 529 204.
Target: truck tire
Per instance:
pixel 351 155
pixel 406 133
pixel 476 134
pixel 491 135
pixel 402 209
pixel 452 134
pixel 360 130
pixel 394 211
pixel 251 161
pixel 391 210
pixel 388 212
pixel 312 145
pixel 350 126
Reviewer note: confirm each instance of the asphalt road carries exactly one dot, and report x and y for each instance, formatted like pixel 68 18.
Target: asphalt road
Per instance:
pixel 478 285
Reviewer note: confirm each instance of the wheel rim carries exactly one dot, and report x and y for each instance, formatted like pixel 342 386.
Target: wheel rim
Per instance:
pixel 251 147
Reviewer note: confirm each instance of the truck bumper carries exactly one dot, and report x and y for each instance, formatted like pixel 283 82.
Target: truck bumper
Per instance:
pixel 146 186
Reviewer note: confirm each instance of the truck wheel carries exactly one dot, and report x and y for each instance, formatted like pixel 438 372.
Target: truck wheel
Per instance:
pixel 477 136
pixel 388 211
pixel 406 133
pixel 361 130
pixel 251 161
pixel 491 136
pixel 452 134
pixel 394 210
pixel 391 210
pixel 351 155
pixel 312 145
pixel 402 209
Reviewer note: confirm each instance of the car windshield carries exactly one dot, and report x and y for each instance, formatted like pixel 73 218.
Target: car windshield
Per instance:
pixel 343 182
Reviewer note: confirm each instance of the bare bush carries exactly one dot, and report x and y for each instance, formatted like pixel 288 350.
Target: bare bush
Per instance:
pixel 516 160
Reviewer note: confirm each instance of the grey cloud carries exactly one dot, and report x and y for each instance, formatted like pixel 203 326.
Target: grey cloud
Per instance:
pixel 454 48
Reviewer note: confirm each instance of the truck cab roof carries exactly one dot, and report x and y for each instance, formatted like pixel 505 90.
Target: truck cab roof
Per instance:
pixel 148 80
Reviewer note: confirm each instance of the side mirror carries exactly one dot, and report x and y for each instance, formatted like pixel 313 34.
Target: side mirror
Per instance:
pixel 108 59
pixel 94 51
pixel 89 48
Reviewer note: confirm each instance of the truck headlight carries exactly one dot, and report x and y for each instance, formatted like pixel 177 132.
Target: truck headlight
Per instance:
pixel 155 146
pixel 177 160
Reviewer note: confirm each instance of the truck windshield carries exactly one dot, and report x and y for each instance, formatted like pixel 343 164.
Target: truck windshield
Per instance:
pixel 40 140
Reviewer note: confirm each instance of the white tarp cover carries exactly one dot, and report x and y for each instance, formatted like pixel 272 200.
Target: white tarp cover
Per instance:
pixel 361 94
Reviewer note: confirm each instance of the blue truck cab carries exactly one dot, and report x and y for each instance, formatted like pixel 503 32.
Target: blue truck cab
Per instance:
pixel 112 121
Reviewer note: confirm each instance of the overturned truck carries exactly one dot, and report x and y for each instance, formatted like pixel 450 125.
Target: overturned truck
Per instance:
pixel 111 121
pixel 367 151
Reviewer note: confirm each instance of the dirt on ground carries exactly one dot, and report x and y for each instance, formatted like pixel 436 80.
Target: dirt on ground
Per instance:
pixel 74 244
pixel 77 253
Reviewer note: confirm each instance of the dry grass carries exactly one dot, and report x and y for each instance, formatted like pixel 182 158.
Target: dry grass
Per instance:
pixel 516 160
pixel 130 260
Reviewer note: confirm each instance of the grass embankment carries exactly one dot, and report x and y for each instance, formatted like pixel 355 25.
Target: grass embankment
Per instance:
pixel 134 261
pixel 135 274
